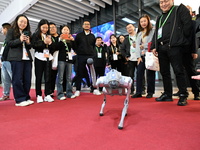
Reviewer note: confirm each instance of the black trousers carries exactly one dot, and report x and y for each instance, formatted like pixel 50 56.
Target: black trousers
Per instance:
pixel 53 79
pixel 42 67
pixel 188 63
pixel 174 57
pixel 131 66
pixel 82 61
pixel 21 79
pixel 140 78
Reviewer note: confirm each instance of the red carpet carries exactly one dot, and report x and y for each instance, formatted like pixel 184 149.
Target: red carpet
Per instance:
pixel 75 124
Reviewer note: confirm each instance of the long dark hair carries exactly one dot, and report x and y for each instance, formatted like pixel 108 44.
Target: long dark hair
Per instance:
pixel 149 26
pixel 16 27
pixel 117 45
pixel 38 30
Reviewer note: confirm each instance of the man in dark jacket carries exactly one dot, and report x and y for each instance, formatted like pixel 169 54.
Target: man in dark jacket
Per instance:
pixel 173 29
pixel 128 51
pixel 6 71
pixel 84 43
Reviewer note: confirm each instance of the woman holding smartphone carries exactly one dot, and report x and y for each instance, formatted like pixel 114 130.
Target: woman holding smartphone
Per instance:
pixel 18 39
pixel 44 48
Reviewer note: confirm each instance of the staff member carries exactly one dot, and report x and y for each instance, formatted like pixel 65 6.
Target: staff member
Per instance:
pixel 85 43
pixel 173 29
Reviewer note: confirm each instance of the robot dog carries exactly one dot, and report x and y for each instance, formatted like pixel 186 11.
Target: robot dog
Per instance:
pixel 114 84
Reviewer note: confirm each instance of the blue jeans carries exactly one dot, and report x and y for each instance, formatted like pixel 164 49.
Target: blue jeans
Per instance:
pixel 62 67
pixel 6 75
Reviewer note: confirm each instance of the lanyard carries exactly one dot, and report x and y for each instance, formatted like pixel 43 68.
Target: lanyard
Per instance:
pixel 66 47
pixel 114 51
pixel 97 48
pixel 4 43
pixel 161 25
pixel 130 39
pixel 53 39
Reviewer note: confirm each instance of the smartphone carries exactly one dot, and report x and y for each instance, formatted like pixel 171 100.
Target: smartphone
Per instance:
pixel 27 33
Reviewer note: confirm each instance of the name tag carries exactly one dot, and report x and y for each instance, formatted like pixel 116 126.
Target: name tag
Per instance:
pixel 99 55
pixel 25 54
pixel 159 33
pixel 115 57
pixel 46 53
pixel 70 56
pixel 132 49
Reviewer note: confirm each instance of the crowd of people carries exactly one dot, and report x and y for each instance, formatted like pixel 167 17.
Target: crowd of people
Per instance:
pixel 173 42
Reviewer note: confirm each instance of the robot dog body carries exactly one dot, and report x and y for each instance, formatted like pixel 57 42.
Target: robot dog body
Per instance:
pixel 115 84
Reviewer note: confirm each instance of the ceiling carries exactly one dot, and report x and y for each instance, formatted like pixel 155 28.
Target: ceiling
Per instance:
pixel 64 11
pixel 67 11
pixel 57 11
pixel 4 4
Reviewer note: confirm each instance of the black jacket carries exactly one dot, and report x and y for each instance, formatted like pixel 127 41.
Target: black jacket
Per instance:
pixel 180 29
pixel 5 52
pixel 16 47
pixel 84 44
pixel 62 56
pixel 39 45
pixel 125 48
pixel 100 62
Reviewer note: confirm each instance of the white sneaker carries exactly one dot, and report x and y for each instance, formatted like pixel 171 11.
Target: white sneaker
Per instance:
pixel 24 103
pixel 62 98
pixel 39 99
pixel 77 93
pixel 30 102
pixel 73 96
pixel 48 98
pixel 96 92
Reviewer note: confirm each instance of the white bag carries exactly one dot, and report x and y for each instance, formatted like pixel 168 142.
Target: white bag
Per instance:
pixel 55 59
pixel 151 62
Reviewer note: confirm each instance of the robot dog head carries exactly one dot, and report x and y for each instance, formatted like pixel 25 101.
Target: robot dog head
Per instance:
pixel 113 78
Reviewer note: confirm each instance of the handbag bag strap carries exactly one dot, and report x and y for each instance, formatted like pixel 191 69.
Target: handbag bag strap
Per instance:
pixel 149 46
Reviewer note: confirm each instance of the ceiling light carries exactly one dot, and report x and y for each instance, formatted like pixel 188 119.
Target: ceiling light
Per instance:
pixel 128 20
pixel 79 0
pixel 92 4
pixel 33 19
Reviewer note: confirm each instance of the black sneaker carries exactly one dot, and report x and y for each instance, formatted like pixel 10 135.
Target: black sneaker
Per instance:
pixel 149 95
pixel 182 101
pixel 164 98
pixel 136 95
pixel 196 97
pixel 176 94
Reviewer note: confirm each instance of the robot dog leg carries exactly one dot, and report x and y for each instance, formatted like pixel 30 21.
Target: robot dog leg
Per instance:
pixel 103 105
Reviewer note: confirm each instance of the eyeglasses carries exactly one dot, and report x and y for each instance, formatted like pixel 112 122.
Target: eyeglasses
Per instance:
pixel 86 24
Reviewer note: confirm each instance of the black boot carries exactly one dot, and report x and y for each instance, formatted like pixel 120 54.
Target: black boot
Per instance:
pixel 182 100
pixel 176 94
pixel 196 96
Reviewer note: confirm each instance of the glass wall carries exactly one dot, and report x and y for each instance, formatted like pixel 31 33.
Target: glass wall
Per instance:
pixel 121 13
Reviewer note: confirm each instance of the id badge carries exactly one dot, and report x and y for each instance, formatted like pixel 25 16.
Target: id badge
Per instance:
pixel 70 56
pixel 115 57
pixel 25 54
pixel 46 53
pixel 132 49
pixel 159 33
pixel 99 55
pixel 2 49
